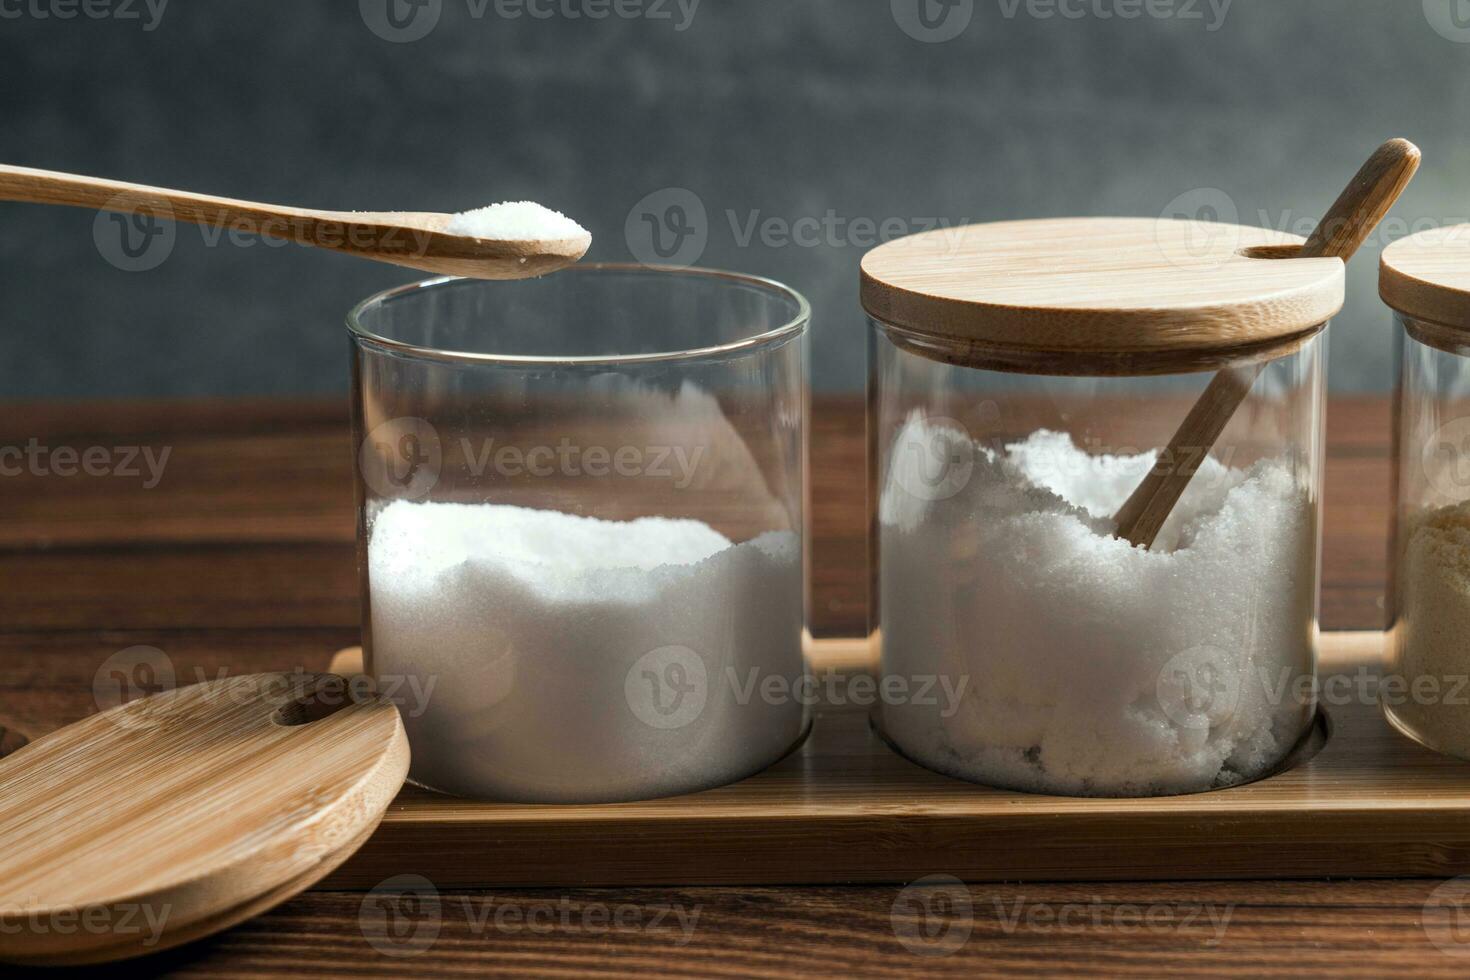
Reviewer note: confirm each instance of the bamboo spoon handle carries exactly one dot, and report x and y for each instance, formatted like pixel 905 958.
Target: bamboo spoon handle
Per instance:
pixel 53 187
pixel 416 239
pixel 1357 211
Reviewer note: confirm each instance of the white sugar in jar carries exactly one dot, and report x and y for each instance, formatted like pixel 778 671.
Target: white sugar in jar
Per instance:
pixel 1026 379
pixel 578 660
pixel 580 532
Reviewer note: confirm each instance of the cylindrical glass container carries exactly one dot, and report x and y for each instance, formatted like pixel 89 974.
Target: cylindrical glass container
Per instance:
pixel 1426 689
pixel 581 528
pixel 1023 643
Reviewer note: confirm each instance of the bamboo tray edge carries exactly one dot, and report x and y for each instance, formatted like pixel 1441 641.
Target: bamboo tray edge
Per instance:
pixel 844 808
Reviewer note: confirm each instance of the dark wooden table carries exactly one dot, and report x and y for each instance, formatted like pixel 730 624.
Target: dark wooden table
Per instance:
pixel 240 558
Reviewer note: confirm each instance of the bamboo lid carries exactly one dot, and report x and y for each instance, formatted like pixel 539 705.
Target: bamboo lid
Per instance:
pixel 177 815
pixel 1107 295
pixel 1427 277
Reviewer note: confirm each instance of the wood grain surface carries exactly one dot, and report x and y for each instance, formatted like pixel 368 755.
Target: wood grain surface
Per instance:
pixel 255 502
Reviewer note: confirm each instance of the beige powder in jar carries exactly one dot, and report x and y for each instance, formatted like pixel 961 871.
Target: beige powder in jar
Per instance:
pixel 1432 636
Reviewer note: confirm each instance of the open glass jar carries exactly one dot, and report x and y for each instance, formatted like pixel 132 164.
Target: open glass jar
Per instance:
pixel 1425 279
pixel 581 528
pixel 1025 379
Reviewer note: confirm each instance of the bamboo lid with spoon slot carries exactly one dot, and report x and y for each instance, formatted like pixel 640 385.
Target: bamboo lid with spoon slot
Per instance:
pixel 172 817
pixel 1129 297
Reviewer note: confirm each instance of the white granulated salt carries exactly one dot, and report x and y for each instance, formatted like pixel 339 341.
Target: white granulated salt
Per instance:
pixel 576 660
pixel 1432 633
pixel 1093 667
pixel 516 221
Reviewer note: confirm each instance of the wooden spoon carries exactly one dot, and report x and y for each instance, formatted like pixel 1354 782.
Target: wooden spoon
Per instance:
pixel 414 239
pixel 1357 211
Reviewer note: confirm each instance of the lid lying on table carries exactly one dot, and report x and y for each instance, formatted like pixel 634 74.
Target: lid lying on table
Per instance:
pixel 1427 277
pixel 1108 295
pixel 175 816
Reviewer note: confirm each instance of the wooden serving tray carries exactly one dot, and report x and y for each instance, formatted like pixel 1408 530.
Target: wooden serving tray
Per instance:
pixel 845 808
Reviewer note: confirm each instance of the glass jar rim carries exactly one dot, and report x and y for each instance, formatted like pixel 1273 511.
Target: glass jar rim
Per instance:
pixel 797 323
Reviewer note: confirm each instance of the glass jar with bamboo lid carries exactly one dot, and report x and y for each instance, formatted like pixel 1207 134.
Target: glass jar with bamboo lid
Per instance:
pixel 1425 280
pixel 1095 479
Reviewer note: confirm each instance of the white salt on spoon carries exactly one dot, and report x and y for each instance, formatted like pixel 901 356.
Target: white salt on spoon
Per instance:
pixel 511 220
pixel 515 240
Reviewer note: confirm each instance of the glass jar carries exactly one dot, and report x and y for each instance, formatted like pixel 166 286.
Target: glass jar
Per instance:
pixel 1023 643
pixel 1425 691
pixel 581 506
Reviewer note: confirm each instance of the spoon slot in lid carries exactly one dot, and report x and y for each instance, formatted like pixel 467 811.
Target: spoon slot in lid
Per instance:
pixel 1357 211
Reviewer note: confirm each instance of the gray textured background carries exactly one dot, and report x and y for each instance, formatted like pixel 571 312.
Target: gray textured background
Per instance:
pixel 783 109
